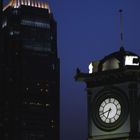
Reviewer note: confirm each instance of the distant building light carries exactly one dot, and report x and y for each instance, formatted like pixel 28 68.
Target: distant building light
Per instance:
pixel 53 66
pixel 52 126
pixel 35 103
pixel 14 33
pixel 29 2
pixel 129 61
pixel 38 84
pixel 37 48
pixel 47 105
pixel 18 3
pixel 35 24
pixel 4 24
pixel 25 2
pixel 11 33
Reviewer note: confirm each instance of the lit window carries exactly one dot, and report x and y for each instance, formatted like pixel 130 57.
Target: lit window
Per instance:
pixel 46 90
pixel 53 66
pixel 51 37
pixel 52 126
pixel 111 64
pixel 90 68
pixel 14 33
pixel 35 23
pixel 129 61
pixel 38 84
pixel 47 105
pixel 11 33
pixel 4 24
pixel 93 67
pixel 29 2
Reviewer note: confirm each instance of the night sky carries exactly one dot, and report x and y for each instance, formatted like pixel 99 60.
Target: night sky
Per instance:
pixel 87 31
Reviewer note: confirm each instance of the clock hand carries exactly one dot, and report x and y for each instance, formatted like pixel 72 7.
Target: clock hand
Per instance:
pixel 108 112
pixel 105 112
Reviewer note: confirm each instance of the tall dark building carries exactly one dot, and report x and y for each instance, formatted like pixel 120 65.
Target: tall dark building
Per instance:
pixel 29 72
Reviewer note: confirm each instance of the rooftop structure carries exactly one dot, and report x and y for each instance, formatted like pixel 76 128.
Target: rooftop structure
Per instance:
pixel 33 3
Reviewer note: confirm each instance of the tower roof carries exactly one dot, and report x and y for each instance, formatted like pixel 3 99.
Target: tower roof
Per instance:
pixel 118 55
pixel 117 60
pixel 33 3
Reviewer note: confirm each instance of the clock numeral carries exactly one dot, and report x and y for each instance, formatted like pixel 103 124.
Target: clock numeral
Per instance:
pixel 103 118
pixel 112 120
pixel 107 100
pixel 116 102
pixel 101 113
pixel 112 100
pixel 107 121
pixel 116 117
pixel 119 112
pixel 101 109
pixel 103 104
pixel 118 106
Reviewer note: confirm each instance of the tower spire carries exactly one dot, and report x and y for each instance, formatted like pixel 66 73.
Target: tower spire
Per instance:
pixel 121 28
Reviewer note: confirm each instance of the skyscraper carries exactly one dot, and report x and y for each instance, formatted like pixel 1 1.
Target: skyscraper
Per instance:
pixel 29 72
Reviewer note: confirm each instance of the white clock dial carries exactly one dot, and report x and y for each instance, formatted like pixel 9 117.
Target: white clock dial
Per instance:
pixel 110 110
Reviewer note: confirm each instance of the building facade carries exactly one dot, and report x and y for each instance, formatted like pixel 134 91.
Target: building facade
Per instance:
pixel 29 72
pixel 113 93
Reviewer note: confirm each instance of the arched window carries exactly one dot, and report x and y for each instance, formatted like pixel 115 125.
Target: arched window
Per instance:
pixel 110 64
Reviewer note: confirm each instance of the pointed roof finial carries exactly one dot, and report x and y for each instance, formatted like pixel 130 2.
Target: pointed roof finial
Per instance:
pixel 121 30
pixel 122 49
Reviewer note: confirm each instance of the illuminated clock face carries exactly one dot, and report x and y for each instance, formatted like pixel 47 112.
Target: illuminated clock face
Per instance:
pixel 110 110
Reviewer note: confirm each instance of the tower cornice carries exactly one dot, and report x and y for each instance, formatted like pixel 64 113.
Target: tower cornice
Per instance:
pixel 33 3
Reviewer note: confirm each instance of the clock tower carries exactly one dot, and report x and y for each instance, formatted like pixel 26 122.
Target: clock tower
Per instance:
pixel 113 90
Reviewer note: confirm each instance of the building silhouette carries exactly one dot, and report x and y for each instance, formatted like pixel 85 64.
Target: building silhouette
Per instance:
pixel 29 72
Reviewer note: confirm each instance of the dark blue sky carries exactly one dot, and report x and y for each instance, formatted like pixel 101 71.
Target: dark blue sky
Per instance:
pixel 88 30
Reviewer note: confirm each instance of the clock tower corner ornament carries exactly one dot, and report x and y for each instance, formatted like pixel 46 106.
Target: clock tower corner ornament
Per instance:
pixel 113 88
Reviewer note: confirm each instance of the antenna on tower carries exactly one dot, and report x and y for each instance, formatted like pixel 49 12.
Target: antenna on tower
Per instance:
pixel 121 30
